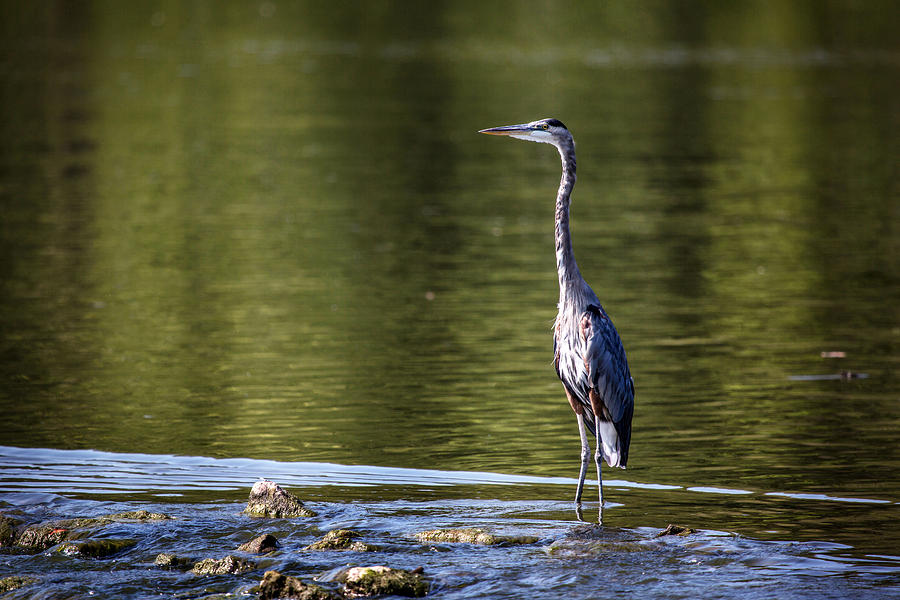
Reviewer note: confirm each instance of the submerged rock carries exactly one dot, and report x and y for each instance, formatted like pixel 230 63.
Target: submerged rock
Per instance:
pixel 262 544
pixel 341 539
pixel 14 582
pixel 96 548
pixel 138 515
pixel 570 548
pixel 225 566
pixel 586 541
pixel 37 538
pixel 9 530
pixel 472 536
pixel 379 580
pixel 276 585
pixel 268 499
pixel 673 529
pixel 464 536
pixel 171 561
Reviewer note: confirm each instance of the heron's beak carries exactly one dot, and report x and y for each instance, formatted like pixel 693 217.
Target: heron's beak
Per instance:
pixel 522 129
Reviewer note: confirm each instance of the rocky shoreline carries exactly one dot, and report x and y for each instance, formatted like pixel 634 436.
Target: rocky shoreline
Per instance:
pixel 84 537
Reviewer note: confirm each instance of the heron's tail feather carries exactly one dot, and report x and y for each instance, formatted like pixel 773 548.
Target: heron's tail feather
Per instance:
pixel 614 439
pixel 609 444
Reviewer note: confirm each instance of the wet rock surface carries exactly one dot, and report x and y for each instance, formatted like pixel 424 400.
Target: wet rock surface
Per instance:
pixel 262 544
pixel 472 536
pixel 9 530
pixel 673 529
pixel 137 515
pixel 379 580
pixel 229 565
pixel 342 539
pixel 168 560
pixel 41 536
pixel 14 582
pixel 588 541
pixel 268 499
pixel 96 548
pixel 276 585
pixel 37 538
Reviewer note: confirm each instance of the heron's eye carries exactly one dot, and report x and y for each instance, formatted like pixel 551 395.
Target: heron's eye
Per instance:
pixel 545 126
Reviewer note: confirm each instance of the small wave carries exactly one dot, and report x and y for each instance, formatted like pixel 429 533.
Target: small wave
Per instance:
pixel 97 472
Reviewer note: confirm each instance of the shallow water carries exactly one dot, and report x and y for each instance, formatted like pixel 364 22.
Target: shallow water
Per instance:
pixel 269 237
pixel 389 505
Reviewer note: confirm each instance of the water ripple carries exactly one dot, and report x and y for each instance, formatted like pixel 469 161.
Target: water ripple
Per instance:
pixel 96 472
pixel 570 559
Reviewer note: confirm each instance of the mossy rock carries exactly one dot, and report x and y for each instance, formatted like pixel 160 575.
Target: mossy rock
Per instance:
pixel 341 539
pixel 96 548
pixel 379 580
pixel 590 548
pixel 37 538
pixel 262 544
pixel 472 536
pixel 138 515
pixel 673 529
pixel 275 585
pixel 168 560
pixel 9 530
pixel 14 582
pixel 229 565
pixel 268 499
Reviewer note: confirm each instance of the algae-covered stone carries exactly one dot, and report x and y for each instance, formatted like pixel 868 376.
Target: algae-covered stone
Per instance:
pixel 9 530
pixel 96 548
pixel 673 529
pixel 37 538
pixel 379 580
pixel 594 540
pixel 262 544
pixel 465 536
pixel 581 548
pixel 341 539
pixel 275 585
pixel 138 515
pixel 14 582
pixel 225 566
pixel 171 561
pixel 472 536
pixel 268 499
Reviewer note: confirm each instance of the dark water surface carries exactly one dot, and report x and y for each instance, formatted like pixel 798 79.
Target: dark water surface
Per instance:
pixel 268 236
pixel 390 505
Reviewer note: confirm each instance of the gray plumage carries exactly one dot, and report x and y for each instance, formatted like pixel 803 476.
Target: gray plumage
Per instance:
pixel 588 354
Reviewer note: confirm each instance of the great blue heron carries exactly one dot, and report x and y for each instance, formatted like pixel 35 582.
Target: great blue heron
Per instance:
pixel 588 353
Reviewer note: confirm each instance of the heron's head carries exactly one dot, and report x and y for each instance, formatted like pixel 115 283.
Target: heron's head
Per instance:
pixel 547 131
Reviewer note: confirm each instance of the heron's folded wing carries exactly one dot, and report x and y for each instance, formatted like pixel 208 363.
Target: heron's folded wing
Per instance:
pixel 607 367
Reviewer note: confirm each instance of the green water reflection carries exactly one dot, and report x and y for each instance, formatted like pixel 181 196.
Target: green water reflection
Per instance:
pixel 270 230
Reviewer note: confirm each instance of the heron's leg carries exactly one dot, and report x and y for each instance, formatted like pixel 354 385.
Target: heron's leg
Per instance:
pixel 585 457
pixel 599 410
pixel 598 457
pixel 578 408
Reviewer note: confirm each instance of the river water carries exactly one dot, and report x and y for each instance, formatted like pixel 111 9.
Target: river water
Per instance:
pixel 264 240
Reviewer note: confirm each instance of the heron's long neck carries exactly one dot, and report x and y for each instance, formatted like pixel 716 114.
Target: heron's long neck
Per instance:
pixel 565 259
